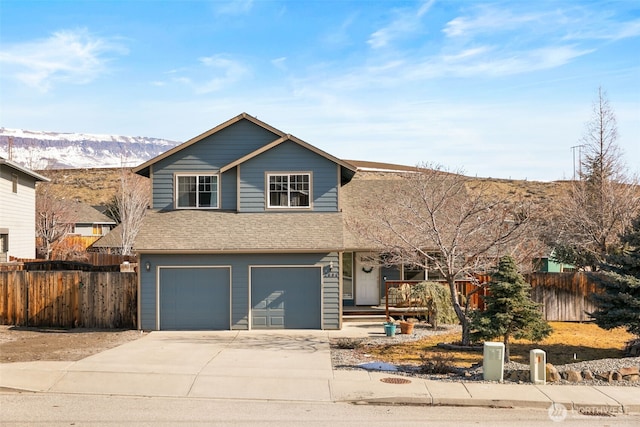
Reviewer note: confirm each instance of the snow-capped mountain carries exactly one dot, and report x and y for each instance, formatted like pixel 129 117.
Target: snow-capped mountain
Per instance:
pixel 39 150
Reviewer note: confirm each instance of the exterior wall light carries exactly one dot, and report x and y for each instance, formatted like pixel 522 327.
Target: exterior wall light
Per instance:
pixel 147 266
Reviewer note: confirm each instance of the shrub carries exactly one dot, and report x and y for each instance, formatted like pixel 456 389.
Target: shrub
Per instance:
pixel 438 363
pixel 348 343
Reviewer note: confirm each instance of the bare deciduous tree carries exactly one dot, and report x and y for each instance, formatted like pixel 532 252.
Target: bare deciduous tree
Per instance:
pixel 601 204
pixel 129 207
pixel 55 218
pixel 447 222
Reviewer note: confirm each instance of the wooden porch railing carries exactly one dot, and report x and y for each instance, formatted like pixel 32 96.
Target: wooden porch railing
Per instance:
pixel 467 289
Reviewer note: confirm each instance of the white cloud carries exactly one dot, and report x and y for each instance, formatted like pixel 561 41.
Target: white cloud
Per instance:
pixel 405 22
pixel 490 20
pixel 68 56
pixel 606 30
pixel 477 62
pixel 571 22
pixel 509 63
pixel 235 7
pixel 226 71
pixel 280 63
pixel 466 54
pixel 340 35
pixel 212 74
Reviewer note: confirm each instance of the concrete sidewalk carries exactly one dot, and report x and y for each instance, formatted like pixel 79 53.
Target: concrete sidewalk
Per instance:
pixel 283 366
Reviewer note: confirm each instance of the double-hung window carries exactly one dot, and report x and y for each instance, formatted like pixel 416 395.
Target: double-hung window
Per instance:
pixel 197 191
pixel 289 190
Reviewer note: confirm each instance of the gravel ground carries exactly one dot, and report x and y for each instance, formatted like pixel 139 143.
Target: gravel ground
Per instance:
pixel 351 358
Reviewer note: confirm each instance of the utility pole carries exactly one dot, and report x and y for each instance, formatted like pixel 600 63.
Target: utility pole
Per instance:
pixel 10 148
pixel 573 149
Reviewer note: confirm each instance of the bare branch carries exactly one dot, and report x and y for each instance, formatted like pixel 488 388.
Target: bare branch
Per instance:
pixel 131 202
pixel 602 203
pixel 445 221
pixel 55 218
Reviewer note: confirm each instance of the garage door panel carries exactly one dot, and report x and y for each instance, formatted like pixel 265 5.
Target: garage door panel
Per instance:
pixel 286 297
pixel 194 298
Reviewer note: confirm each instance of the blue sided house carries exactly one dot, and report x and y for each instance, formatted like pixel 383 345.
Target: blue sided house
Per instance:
pixel 245 232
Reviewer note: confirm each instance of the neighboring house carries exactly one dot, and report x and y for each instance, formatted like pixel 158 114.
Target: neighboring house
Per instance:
pixel 110 243
pixel 86 225
pixel 89 221
pixel 547 264
pixel 17 210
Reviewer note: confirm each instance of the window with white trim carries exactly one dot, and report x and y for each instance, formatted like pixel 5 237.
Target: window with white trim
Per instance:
pixel 289 190
pixel 197 191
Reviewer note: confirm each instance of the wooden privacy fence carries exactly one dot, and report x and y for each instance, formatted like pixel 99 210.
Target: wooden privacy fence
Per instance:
pixel 564 296
pixel 68 299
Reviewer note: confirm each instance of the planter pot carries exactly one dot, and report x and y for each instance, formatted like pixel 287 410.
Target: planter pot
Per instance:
pixel 389 329
pixel 406 328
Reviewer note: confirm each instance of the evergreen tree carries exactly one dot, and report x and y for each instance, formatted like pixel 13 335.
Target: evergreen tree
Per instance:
pixel 619 303
pixel 510 311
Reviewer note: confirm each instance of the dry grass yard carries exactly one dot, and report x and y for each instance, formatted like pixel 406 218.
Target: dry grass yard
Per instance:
pixel 584 340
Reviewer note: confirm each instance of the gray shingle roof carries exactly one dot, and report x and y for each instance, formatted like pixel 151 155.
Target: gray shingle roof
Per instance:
pixel 113 239
pixel 215 231
pixel 365 189
pixel 87 214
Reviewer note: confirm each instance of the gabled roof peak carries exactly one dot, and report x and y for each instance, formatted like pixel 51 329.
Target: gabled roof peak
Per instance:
pixel 143 169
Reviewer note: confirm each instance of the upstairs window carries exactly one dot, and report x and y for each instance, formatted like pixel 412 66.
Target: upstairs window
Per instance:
pixel 289 190
pixel 197 191
pixel 14 183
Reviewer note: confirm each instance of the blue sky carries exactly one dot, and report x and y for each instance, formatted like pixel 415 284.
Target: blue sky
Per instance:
pixel 500 89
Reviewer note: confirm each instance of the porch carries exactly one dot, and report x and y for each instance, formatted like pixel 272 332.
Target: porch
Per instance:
pixel 399 300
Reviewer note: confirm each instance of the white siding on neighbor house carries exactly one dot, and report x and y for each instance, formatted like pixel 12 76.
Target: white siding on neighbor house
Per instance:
pixel 17 212
pixel 87 230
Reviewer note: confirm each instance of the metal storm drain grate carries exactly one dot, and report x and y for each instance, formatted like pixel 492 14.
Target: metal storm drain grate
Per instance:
pixel 391 380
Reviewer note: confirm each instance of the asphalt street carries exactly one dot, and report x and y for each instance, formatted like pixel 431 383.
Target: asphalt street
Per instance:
pixel 53 409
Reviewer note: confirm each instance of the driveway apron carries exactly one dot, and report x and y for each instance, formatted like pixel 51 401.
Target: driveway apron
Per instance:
pixel 284 365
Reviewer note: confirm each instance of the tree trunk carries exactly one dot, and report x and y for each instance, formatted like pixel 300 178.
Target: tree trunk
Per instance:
pixel 464 322
pixel 434 320
pixel 506 348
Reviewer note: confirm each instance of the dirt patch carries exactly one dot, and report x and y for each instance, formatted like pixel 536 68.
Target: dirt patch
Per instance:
pixel 23 344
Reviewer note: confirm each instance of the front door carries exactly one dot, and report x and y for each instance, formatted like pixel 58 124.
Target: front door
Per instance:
pixel 367 286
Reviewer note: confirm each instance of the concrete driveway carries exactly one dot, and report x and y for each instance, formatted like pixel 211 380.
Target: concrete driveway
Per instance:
pixel 286 365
